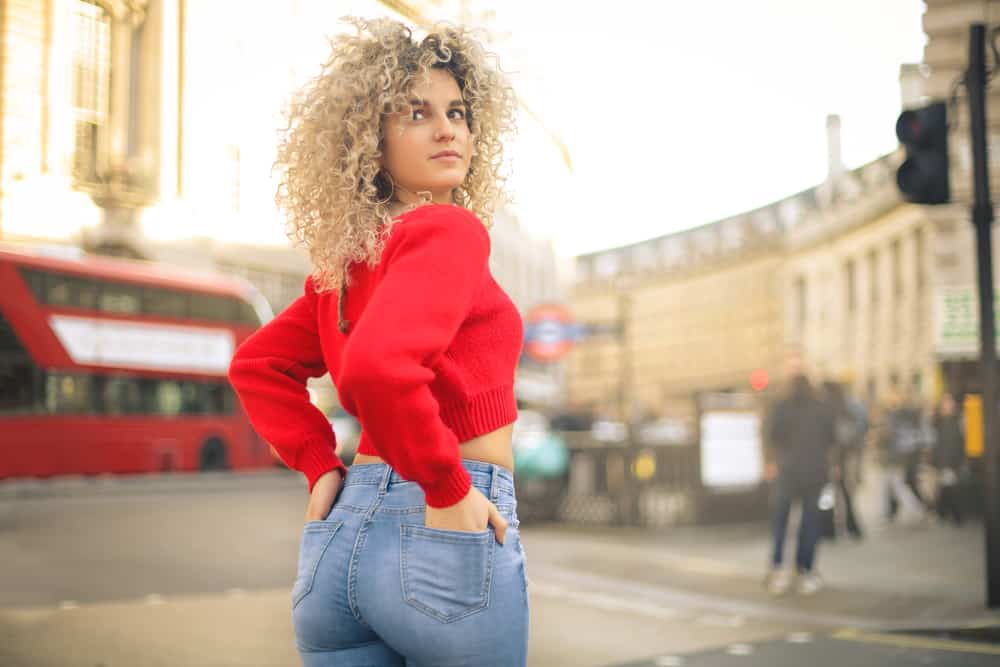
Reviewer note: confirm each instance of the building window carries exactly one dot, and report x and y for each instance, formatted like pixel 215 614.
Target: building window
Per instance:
pixel 897 268
pixel 850 275
pixel 873 319
pixel 801 303
pixel 91 85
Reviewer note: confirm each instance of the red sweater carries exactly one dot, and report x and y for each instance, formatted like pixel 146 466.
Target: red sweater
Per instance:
pixel 428 360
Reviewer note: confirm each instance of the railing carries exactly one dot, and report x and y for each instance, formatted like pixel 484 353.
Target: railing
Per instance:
pixel 633 485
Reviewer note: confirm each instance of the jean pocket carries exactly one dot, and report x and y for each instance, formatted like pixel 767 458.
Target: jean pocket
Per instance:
pixel 316 537
pixel 446 573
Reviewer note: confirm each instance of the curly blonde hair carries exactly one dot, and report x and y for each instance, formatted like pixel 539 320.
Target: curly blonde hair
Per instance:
pixel 331 189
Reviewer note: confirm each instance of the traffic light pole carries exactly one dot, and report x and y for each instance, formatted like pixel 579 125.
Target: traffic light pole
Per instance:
pixel 982 218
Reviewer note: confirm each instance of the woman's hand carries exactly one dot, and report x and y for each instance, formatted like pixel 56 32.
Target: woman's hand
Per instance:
pixel 472 513
pixel 324 492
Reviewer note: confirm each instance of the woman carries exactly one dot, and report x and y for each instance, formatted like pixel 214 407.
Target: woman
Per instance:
pixel 412 555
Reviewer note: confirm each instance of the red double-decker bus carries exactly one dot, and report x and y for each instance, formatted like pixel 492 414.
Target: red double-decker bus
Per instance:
pixel 118 366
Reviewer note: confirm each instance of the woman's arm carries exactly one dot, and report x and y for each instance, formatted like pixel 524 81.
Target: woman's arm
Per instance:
pixel 269 373
pixel 434 265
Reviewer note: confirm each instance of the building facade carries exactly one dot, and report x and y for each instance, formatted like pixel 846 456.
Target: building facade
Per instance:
pixel 842 274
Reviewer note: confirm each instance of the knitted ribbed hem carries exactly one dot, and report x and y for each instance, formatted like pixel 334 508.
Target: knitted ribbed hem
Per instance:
pixel 449 489
pixel 483 413
pixel 318 458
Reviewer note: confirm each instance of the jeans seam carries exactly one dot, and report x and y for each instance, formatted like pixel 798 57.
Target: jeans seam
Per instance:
pixel 359 544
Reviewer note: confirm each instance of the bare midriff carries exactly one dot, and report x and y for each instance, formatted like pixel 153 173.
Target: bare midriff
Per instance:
pixel 494 447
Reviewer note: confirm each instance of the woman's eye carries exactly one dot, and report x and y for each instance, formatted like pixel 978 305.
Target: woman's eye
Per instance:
pixel 457 114
pixel 417 114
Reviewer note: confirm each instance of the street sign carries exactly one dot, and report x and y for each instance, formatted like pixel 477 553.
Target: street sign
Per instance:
pixel 550 332
pixel 956 321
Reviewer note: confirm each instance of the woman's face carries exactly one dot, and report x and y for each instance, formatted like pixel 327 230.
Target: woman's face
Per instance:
pixel 429 147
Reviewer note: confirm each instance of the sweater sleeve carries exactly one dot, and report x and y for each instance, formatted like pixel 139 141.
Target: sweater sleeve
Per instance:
pixel 434 265
pixel 269 373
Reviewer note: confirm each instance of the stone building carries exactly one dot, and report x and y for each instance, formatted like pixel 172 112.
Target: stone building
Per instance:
pixel 841 273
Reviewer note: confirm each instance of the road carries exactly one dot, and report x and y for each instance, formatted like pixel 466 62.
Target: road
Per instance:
pixel 196 570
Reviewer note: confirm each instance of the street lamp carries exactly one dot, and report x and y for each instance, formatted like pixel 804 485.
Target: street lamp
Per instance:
pixel 623 285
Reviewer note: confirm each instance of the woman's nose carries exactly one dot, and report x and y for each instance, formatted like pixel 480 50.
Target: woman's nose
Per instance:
pixel 444 131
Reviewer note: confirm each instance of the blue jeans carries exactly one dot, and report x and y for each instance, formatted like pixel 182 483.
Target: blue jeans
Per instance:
pixel 377 587
pixel 785 492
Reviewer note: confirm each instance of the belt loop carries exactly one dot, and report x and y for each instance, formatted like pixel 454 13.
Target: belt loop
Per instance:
pixel 494 482
pixel 386 476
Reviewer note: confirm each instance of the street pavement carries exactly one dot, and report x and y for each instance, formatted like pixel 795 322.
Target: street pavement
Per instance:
pixel 194 570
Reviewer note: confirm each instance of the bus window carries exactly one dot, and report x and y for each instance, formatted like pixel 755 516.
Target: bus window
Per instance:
pixel 193 398
pixel 69 394
pixel 212 307
pixel 247 314
pixel 18 374
pixel 122 395
pixel 36 283
pixel 121 298
pixel 165 303
pixel 218 398
pixel 57 289
pixel 168 398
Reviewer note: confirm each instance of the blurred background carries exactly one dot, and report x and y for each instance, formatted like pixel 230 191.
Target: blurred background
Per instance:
pixel 704 205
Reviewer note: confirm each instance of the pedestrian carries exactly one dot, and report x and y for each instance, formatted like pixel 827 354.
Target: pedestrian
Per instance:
pixel 850 423
pixel 902 440
pixel 948 457
pixel 801 437
pixel 389 175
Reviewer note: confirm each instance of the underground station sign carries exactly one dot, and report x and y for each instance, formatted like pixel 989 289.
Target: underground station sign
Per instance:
pixel 550 331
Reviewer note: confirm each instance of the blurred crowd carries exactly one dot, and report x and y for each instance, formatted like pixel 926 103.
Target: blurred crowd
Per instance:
pixel 820 438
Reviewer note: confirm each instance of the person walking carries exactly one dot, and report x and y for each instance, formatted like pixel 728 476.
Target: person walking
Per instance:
pixel 389 176
pixel 850 422
pixel 902 440
pixel 800 434
pixel 948 457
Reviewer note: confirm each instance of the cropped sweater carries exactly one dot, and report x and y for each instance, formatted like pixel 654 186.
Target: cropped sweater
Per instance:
pixel 427 361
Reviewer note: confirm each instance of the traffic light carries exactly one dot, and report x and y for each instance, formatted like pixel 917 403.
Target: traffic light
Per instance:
pixel 923 176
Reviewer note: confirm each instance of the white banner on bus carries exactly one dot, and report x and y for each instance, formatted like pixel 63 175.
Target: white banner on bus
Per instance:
pixel 160 347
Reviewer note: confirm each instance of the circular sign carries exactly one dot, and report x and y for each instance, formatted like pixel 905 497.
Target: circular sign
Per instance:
pixel 550 332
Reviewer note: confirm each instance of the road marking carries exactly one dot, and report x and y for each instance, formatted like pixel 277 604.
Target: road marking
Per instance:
pixel 799 638
pixel 739 649
pixel 669 661
pixel 722 621
pixel 68 604
pixel 606 602
pixel 154 599
pixel 563 578
pixel 910 641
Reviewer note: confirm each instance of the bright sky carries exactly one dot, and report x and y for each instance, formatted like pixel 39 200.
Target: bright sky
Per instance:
pixel 675 113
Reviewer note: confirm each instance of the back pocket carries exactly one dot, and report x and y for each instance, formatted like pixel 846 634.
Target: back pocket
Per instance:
pixel 446 573
pixel 316 537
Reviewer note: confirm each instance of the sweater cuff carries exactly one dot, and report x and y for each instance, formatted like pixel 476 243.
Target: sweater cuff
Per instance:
pixel 318 459
pixel 448 490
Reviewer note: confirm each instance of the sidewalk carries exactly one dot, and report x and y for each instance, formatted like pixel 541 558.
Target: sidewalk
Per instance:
pixel 886 601
pixel 926 575
pixel 843 648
